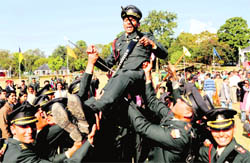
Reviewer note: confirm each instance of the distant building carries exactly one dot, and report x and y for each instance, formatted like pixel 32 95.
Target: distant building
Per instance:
pixel 4 72
pixel 45 70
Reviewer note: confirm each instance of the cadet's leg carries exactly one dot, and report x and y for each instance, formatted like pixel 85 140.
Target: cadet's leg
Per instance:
pixel 115 89
pixel 75 107
pixel 61 119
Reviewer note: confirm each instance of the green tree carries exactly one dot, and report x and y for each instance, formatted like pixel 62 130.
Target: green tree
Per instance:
pixel 105 50
pixel 40 62
pixel 81 61
pixel 55 63
pixel 235 33
pixel 5 60
pixel 30 56
pixel 60 51
pixel 184 39
pixel 161 24
pixel 200 46
pixel 58 58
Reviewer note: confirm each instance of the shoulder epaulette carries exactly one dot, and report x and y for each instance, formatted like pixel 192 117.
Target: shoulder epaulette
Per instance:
pixel 240 149
pixel 23 146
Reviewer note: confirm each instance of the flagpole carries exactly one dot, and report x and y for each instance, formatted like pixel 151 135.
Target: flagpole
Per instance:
pixel 184 68
pixel 213 62
pixel 19 71
pixel 67 65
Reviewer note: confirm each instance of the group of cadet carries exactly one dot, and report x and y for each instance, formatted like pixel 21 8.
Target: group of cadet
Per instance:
pixel 111 126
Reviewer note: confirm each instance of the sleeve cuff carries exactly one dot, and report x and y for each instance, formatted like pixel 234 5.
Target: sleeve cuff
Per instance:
pixel 154 46
pixel 66 154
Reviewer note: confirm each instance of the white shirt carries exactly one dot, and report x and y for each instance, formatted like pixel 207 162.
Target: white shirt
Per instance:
pixel 60 93
pixel 234 80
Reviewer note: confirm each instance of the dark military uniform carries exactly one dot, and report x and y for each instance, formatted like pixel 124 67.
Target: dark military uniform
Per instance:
pixel 110 150
pixel 130 72
pixel 172 138
pixel 18 151
pixel 49 140
pixel 232 153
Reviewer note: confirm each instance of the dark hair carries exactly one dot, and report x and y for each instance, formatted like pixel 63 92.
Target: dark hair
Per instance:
pixel 22 93
pixel 163 87
pixel 46 81
pixel 9 93
pixel 30 86
pixel 2 90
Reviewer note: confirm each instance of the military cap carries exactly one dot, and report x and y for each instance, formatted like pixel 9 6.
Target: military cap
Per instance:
pixel 74 86
pixel 193 98
pixel 220 118
pixel 40 101
pixel 23 115
pixel 46 90
pixel 131 10
pixel 48 106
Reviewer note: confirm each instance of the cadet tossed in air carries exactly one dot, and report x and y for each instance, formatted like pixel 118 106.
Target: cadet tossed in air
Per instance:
pixel 130 51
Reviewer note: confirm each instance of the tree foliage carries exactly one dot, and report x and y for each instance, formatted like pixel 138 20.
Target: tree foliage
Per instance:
pixel 30 57
pixel 235 33
pixel 201 48
pixel 55 63
pixel 161 24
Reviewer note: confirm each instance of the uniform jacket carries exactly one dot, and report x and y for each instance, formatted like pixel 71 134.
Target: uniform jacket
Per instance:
pixel 49 139
pixel 139 54
pixel 22 153
pixel 240 154
pixel 6 109
pixel 172 138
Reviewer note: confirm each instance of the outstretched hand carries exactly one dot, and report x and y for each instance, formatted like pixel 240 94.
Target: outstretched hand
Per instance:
pixel 172 70
pixel 95 128
pixel 92 54
pixel 92 58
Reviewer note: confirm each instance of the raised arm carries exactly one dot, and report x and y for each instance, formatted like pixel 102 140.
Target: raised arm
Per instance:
pixel 152 102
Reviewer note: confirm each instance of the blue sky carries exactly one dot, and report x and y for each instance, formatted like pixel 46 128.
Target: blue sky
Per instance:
pixel 43 24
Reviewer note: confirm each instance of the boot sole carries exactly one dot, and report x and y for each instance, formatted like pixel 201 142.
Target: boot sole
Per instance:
pixel 61 119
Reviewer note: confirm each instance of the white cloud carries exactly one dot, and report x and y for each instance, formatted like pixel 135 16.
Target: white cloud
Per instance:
pixel 197 26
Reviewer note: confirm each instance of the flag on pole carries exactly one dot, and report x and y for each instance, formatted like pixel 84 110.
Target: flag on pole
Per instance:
pixel 216 53
pixel 20 59
pixel 70 52
pixel 20 56
pixel 186 52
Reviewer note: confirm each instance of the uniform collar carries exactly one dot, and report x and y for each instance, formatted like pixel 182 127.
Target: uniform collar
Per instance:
pixel 129 37
pixel 228 149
